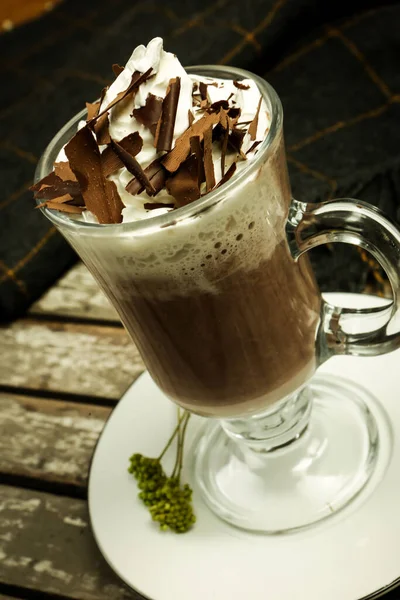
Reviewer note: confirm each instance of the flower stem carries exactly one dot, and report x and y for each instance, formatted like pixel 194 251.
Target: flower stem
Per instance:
pixel 174 433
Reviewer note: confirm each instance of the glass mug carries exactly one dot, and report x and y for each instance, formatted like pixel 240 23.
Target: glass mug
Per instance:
pixel 220 298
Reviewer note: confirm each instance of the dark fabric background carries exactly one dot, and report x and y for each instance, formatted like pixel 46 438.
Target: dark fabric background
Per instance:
pixel 334 65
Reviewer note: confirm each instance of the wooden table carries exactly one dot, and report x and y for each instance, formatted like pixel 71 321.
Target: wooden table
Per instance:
pixel 62 369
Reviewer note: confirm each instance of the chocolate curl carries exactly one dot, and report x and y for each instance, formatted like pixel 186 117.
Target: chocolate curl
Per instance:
pixel 52 186
pixel 253 147
pixel 180 152
pixel 235 139
pixel 190 117
pixel 64 171
pixel 133 167
pixel 136 82
pixel 165 128
pixel 183 186
pixel 203 90
pixel 117 69
pixel 67 208
pixel 110 161
pixel 203 95
pixel 154 205
pixel 216 106
pixel 241 86
pixel 114 201
pixel 155 172
pixel 93 108
pixel 85 161
pixel 227 175
pixel 101 129
pixel 195 146
pixel 149 114
pixel 225 124
pixel 208 160
pixel 254 124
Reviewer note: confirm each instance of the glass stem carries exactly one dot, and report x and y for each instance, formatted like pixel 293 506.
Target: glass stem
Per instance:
pixel 275 428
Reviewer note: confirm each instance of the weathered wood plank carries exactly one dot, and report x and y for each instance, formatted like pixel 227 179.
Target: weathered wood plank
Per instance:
pixel 48 440
pixel 76 295
pixel 67 357
pixel 46 545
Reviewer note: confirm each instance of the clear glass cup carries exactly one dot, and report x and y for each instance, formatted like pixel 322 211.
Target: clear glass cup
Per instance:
pixel 220 298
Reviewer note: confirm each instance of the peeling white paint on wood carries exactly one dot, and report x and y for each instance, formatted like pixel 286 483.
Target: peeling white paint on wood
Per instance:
pixel 76 294
pixel 51 553
pixel 45 566
pixel 48 439
pixel 76 522
pixel 75 358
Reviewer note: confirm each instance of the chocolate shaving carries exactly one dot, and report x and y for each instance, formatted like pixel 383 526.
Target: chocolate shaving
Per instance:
pixel 101 129
pixel 136 81
pixel 66 199
pixel 149 114
pixel 241 86
pixel 92 110
pixel 64 171
pixel 117 69
pixel 235 139
pixel 59 200
pixel 155 173
pixel 183 186
pixel 203 90
pixel 253 146
pixel 178 155
pixel 85 161
pixel 216 106
pixel 110 161
pixel 254 124
pixel 227 175
pixel 195 146
pixel 224 147
pixel 190 117
pixel 49 179
pixel 234 113
pixel 154 205
pixel 208 160
pixel 114 201
pixel 67 208
pixel 133 166
pixel 52 186
pixel 132 143
pixel 165 128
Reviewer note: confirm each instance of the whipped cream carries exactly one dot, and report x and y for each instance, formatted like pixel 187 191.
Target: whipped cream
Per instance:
pixel 166 66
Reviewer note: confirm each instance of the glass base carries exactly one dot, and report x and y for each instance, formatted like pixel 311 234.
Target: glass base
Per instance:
pixel 301 482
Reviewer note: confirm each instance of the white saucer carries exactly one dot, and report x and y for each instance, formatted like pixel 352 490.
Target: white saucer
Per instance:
pixel 352 556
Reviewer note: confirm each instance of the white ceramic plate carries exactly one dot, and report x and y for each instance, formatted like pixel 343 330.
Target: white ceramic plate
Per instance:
pixel 354 555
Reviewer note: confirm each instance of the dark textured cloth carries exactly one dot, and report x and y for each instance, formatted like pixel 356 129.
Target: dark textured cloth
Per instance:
pixel 334 65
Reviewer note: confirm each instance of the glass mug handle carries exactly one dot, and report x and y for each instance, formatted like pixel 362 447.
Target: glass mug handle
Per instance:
pixel 363 331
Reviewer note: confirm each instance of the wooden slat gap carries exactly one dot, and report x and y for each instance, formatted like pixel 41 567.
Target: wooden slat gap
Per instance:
pixel 55 395
pixel 41 485
pixel 54 318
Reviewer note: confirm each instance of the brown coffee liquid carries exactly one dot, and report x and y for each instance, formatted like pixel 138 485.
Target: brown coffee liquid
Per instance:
pixel 233 351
